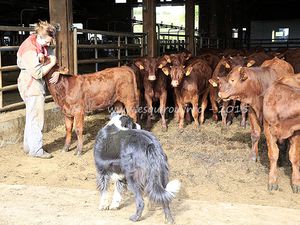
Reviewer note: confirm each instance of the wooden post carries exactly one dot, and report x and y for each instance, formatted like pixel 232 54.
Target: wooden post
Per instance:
pixel 190 24
pixel 149 26
pixel 61 15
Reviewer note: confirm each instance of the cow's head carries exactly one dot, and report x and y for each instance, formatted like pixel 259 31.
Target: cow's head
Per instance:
pixel 177 73
pixel 150 65
pixel 234 85
pixel 224 66
pixel 179 58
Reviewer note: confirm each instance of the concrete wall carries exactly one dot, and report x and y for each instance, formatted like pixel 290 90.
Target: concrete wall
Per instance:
pixel 12 123
pixel 263 29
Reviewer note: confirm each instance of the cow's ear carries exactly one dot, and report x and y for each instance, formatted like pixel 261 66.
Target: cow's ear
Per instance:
pixel 213 82
pixel 188 56
pixel 63 70
pixel 251 63
pixel 168 58
pixel 166 70
pixel 243 74
pixel 139 64
pixel 188 70
pixel 162 62
pixel 226 64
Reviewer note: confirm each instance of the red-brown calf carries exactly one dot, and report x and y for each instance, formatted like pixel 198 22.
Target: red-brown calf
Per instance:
pixel 80 94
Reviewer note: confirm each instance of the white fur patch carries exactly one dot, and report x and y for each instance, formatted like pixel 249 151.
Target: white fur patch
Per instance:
pixel 173 187
pixel 115 177
pixel 117 122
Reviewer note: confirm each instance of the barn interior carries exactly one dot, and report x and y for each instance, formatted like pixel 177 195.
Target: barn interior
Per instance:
pixel 220 185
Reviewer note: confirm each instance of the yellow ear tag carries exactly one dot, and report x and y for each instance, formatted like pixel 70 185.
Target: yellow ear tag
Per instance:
pixel 160 66
pixel 227 66
pixel 189 70
pixel 166 71
pixel 141 67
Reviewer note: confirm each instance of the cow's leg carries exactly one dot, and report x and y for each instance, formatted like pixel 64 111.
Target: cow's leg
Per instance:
pixel 203 106
pixel 255 135
pixel 102 182
pixel 230 111
pixel 168 216
pixel 131 109
pixel 162 107
pixel 195 112
pixel 273 154
pixel 136 189
pixel 294 155
pixel 180 115
pixel 213 100
pixel 69 126
pixel 243 107
pixel 149 112
pixel 117 197
pixel 224 112
pixel 79 120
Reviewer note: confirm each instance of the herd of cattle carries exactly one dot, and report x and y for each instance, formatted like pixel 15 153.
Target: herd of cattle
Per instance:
pixel 266 84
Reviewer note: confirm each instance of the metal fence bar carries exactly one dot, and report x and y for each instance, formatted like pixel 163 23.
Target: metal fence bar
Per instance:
pixel 1 94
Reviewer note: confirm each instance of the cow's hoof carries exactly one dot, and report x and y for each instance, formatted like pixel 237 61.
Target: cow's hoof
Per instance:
pixel 65 148
pixel 215 118
pixel 170 221
pixel 78 153
pixel 296 188
pixel 243 124
pixel 273 187
pixel 254 157
pixel 134 218
pixel 229 122
pixel 164 129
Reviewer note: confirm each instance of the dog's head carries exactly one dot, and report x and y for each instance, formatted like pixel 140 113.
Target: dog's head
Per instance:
pixel 123 122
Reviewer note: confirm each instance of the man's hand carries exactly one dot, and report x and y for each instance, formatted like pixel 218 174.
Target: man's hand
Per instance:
pixel 54 78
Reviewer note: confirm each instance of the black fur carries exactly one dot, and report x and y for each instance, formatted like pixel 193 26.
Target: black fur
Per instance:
pixel 138 155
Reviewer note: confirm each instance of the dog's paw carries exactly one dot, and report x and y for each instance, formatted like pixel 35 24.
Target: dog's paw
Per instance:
pixel 104 206
pixel 114 206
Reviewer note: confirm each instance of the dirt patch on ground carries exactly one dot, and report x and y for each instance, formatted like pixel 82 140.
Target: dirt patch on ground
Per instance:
pixel 212 163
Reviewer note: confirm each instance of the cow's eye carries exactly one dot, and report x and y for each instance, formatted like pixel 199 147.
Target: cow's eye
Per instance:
pixel 232 80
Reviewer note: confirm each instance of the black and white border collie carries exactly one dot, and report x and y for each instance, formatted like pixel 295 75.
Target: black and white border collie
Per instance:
pixel 129 155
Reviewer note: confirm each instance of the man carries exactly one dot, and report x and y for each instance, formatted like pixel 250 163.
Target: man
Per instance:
pixel 31 85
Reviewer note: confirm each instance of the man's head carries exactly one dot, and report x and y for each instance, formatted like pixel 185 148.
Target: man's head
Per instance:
pixel 45 33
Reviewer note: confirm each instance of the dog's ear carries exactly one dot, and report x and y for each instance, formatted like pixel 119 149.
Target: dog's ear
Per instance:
pixel 127 122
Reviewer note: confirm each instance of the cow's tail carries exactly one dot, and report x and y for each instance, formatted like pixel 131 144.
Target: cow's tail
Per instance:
pixel 157 188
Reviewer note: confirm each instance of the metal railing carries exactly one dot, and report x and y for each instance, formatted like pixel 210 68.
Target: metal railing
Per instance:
pixel 116 47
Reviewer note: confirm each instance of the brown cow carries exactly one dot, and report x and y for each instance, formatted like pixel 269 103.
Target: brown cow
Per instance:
pixel 189 83
pixel 224 66
pixel 155 86
pixel 249 85
pixel 281 112
pixel 80 94
pixel 257 59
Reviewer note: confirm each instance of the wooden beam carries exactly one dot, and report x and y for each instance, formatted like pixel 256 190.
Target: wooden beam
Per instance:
pixel 190 24
pixel 62 15
pixel 149 26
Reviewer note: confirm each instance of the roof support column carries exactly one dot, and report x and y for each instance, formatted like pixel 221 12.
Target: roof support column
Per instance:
pixel 61 14
pixel 190 24
pixel 149 26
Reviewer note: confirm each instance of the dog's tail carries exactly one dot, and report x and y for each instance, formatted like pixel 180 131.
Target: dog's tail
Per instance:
pixel 158 188
pixel 161 195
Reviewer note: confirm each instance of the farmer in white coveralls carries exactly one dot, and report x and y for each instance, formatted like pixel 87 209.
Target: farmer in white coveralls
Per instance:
pixel 31 85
